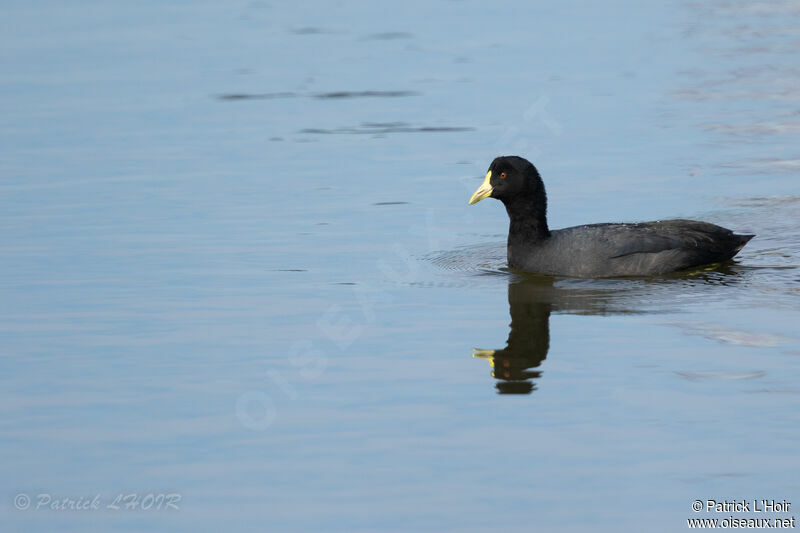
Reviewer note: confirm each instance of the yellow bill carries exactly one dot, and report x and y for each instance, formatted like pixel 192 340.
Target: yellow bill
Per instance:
pixel 483 191
pixel 484 354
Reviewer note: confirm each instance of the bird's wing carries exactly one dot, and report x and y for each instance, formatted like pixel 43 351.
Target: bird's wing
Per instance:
pixel 623 240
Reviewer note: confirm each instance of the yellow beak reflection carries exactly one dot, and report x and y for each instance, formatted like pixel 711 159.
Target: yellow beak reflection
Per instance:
pixel 484 354
pixel 483 191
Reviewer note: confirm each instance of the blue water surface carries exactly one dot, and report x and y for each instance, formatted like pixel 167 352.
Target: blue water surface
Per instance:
pixel 238 271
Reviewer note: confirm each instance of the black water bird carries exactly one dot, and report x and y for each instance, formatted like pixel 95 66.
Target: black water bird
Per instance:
pixel 596 250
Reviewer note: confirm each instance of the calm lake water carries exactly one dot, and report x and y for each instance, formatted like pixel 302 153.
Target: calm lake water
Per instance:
pixel 239 274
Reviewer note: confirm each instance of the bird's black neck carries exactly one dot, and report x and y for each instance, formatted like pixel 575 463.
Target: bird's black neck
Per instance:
pixel 528 220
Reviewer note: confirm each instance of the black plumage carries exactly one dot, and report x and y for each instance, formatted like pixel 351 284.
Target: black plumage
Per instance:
pixel 596 250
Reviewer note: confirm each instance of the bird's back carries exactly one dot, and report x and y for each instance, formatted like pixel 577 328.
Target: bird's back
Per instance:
pixel 636 249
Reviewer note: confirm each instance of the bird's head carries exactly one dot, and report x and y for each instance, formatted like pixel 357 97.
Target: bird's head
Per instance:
pixel 509 177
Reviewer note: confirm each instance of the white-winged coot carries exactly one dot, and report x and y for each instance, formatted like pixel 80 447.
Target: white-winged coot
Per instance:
pixel 596 250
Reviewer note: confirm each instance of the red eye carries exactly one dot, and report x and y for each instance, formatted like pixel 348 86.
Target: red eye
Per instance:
pixel 502 175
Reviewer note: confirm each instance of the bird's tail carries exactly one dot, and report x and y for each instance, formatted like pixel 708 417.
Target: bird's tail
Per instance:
pixel 743 239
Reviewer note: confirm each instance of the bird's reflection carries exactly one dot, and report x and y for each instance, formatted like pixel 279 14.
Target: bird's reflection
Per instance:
pixel 515 366
pixel 531 299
